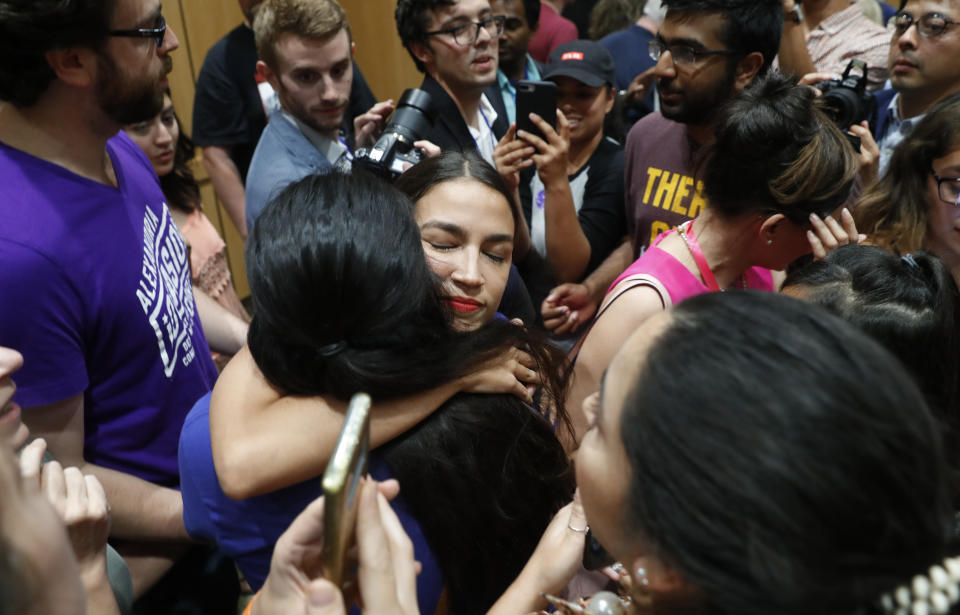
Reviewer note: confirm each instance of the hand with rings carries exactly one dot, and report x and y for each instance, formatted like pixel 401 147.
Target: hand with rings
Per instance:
pixel 558 556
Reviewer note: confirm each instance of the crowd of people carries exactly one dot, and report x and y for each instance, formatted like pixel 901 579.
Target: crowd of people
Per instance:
pixel 690 347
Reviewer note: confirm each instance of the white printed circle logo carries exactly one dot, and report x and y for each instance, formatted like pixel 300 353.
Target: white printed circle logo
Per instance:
pixel 165 292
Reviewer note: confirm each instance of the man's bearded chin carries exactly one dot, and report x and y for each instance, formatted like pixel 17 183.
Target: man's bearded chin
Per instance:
pixel 128 106
pixel 133 110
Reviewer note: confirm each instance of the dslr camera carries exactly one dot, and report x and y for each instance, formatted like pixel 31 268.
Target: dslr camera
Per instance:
pixel 846 100
pixel 393 153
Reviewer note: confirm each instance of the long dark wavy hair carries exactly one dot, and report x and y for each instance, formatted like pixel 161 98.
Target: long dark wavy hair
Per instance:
pixel 911 305
pixel 179 185
pixel 894 213
pixel 483 476
pixel 344 300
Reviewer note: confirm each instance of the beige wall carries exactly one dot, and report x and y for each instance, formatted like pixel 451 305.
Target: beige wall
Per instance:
pixel 200 23
pixel 386 65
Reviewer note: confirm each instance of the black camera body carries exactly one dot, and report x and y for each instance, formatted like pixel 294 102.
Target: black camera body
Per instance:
pixel 846 100
pixel 394 152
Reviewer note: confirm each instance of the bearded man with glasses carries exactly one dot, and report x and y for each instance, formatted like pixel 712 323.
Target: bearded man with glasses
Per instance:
pixel 94 277
pixel 706 52
pixel 924 68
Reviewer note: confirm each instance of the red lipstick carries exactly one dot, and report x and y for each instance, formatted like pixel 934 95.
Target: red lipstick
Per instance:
pixel 463 304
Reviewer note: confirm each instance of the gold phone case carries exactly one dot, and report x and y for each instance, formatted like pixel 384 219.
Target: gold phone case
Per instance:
pixel 340 481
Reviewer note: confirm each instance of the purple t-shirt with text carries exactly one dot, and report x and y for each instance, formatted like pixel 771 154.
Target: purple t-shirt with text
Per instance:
pixel 95 293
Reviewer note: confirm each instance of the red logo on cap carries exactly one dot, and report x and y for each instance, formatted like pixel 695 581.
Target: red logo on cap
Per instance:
pixel 572 55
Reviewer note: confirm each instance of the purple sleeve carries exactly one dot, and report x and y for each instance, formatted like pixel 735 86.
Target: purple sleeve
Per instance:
pixel 41 316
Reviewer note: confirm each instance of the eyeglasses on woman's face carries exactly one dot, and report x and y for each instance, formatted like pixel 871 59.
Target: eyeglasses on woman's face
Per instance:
pixel 948 188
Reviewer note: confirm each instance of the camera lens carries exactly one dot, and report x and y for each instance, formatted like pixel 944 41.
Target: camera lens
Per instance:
pixel 394 150
pixel 844 106
pixel 410 120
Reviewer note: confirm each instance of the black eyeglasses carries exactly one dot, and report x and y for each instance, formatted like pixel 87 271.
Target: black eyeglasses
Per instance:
pixel 930 25
pixel 158 33
pixel 468 33
pixel 948 188
pixel 683 55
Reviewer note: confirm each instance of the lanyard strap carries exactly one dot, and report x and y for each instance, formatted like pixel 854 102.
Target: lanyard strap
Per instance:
pixel 686 232
pixel 493 139
pixel 349 152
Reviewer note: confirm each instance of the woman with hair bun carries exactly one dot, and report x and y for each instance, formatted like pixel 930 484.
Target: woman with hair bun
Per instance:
pixel 467 222
pixel 777 171
pixel 910 304
pixel 336 313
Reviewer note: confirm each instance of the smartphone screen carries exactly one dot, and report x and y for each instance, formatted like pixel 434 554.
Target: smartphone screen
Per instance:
pixel 340 480
pixel 538 97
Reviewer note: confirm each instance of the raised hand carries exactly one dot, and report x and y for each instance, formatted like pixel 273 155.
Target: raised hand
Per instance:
pixel 827 234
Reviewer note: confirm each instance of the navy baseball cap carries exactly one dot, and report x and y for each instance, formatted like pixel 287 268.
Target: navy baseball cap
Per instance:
pixel 586 61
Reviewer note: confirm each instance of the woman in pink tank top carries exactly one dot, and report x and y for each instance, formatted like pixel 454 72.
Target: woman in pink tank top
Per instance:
pixel 778 170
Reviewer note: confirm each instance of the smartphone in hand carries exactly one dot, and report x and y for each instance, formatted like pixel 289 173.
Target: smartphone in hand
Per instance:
pixel 340 487
pixel 538 97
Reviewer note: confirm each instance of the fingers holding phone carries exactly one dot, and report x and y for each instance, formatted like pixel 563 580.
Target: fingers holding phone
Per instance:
pixel 542 125
pixel 309 569
pixel 537 97
pixel 387 575
pixel 512 156
pixel 552 154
